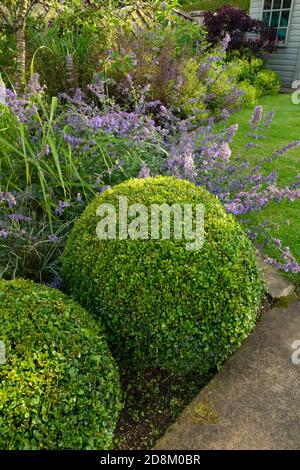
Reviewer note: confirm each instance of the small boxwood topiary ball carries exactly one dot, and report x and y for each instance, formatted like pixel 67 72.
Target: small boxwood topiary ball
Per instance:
pixel 163 305
pixel 59 386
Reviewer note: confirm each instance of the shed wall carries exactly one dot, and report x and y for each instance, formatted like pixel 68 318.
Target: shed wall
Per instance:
pixel 285 60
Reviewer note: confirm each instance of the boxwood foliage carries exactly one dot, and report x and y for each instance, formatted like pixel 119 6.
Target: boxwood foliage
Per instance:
pixel 59 386
pixel 163 305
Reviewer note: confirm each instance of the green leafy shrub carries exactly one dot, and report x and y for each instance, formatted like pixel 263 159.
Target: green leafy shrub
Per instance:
pixel 174 60
pixel 253 79
pixel 204 87
pixel 250 94
pixel 65 47
pixel 59 387
pixel 267 82
pixel 157 56
pixel 189 96
pixel 245 68
pixel 161 304
pixel 64 59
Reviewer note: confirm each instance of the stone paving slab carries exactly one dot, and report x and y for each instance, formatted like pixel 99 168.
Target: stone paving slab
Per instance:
pixel 254 401
pixel 280 289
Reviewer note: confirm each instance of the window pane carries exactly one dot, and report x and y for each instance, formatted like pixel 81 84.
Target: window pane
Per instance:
pixel 267 4
pixel 275 18
pixel 281 33
pixel 286 3
pixel 276 5
pixel 284 18
pixel 266 18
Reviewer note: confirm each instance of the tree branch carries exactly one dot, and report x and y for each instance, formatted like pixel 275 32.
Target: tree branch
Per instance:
pixel 31 5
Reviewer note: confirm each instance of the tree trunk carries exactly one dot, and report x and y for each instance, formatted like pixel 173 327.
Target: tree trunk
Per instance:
pixel 21 46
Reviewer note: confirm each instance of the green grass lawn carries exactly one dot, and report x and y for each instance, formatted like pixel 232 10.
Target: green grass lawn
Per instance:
pixel 284 129
pixel 212 5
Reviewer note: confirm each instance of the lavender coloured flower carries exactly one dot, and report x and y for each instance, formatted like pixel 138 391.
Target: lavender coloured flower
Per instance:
pixel 72 140
pixel 19 217
pixel 225 152
pixel 54 238
pixel 4 233
pixel 98 89
pixel 288 265
pixel 225 114
pixel 225 42
pixel 62 205
pixel 286 148
pixel 231 131
pixel 34 87
pixel 144 171
pixel 9 198
pixel 256 117
pixel 105 188
pixel 268 119
pixel 189 165
pixel 69 68
pixel 277 242
pixel 21 107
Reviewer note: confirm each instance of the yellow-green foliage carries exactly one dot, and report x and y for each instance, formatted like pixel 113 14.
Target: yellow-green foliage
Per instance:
pixel 250 74
pixel 267 82
pixel 189 91
pixel 250 94
pixel 221 89
pixel 191 81
pixel 246 68
pixel 163 305
pixel 59 387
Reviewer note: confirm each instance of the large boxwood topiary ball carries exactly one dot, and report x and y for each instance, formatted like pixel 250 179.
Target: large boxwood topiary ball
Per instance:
pixel 164 305
pixel 59 386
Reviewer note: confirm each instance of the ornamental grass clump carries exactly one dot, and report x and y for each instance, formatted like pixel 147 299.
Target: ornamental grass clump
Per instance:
pixel 163 305
pixel 59 386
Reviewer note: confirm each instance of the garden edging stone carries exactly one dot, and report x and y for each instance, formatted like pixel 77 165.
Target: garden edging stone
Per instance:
pixel 280 289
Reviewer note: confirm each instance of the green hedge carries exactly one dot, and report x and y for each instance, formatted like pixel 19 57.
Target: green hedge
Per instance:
pixel 161 304
pixel 212 5
pixel 59 387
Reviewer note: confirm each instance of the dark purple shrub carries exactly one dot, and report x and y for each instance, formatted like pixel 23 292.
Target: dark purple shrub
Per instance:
pixel 246 34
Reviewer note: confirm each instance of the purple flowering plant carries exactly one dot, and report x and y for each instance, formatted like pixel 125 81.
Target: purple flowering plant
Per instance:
pixel 203 156
pixel 182 71
pixel 56 156
pixel 29 247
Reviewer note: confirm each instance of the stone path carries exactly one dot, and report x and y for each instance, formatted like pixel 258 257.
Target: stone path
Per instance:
pixel 254 401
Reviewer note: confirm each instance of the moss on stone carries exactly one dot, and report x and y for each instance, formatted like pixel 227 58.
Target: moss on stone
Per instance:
pixel 205 413
pixel 286 301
